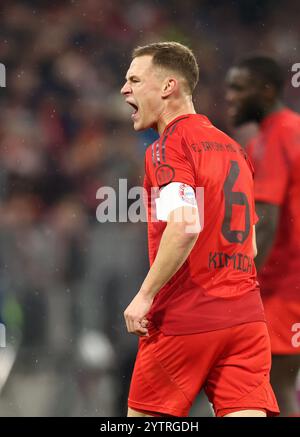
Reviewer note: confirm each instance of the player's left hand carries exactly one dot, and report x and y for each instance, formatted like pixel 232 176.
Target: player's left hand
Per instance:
pixel 135 315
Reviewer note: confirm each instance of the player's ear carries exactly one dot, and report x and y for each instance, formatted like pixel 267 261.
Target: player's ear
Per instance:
pixel 169 86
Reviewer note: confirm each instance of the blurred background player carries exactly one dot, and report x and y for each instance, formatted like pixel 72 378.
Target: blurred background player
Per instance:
pixel 254 94
pixel 198 312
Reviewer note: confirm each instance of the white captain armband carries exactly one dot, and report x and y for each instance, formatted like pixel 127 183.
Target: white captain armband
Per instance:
pixel 173 196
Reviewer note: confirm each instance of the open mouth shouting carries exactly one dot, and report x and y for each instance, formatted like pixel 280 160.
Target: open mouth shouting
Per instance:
pixel 135 109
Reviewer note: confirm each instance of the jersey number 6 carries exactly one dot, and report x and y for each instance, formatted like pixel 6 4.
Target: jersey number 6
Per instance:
pixel 234 198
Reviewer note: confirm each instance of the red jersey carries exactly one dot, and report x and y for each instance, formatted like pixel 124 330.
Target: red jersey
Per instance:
pixel 216 287
pixel 275 154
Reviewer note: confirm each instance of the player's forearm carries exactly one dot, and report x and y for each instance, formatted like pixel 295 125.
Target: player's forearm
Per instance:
pixel 175 247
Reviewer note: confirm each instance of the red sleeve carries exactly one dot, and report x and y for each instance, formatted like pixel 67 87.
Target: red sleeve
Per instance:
pixel 271 172
pixel 167 162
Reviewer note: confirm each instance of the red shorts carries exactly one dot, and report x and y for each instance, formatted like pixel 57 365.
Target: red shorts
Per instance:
pixel 283 318
pixel 232 365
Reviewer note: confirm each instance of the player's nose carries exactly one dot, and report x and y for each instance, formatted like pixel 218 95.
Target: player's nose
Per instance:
pixel 125 89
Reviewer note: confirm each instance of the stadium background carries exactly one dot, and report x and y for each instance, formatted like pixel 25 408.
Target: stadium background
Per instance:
pixel 65 278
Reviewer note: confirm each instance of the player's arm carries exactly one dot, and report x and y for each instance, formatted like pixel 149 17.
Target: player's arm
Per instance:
pixel 178 239
pixel 266 229
pixel 270 186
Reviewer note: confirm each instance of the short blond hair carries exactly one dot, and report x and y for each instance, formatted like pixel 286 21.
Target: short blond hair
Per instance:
pixel 173 56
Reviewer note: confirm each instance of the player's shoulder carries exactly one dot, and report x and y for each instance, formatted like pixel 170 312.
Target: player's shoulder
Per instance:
pixel 197 130
pixel 288 128
pixel 284 120
pixel 169 139
pixel 190 129
pixel 292 124
pixel 290 116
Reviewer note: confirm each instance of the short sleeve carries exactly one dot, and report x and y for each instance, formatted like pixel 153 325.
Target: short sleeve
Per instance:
pixel 167 162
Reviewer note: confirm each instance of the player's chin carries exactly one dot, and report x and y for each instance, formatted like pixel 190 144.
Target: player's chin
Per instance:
pixel 139 125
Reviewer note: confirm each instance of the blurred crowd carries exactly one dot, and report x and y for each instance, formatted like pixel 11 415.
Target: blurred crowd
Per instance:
pixel 65 278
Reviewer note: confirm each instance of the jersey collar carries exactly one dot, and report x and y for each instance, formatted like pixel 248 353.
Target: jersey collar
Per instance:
pixel 175 120
pixel 183 117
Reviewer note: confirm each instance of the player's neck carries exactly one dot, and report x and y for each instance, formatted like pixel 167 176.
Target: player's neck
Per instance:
pixel 277 106
pixel 173 112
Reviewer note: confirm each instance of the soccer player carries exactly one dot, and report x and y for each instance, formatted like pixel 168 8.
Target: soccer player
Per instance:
pixel 254 88
pixel 198 312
